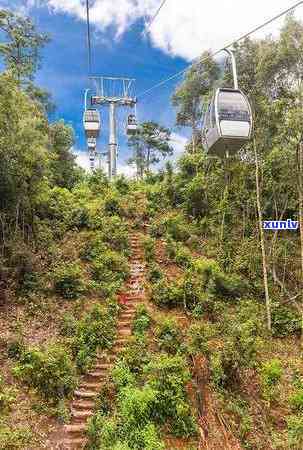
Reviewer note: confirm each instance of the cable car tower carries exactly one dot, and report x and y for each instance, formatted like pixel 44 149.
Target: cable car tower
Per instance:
pixel 114 93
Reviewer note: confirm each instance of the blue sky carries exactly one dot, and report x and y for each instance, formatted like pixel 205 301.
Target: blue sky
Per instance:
pixel 181 32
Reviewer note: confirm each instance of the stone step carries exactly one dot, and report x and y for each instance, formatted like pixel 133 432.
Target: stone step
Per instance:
pixel 83 404
pixel 105 366
pixel 74 443
pixel 85 414
pixel 124 332
pixel 97 374
pixel 90 385
pixel 124 323
pixel 85 394
pixel 105 359
pixel 127 316
pixel 78 428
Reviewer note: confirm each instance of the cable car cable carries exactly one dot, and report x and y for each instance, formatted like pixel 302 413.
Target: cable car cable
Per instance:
pixel 89 46
pixel 149 24
pixel 211 55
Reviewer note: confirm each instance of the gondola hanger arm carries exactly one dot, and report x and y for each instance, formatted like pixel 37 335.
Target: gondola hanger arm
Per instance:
pixel 234 67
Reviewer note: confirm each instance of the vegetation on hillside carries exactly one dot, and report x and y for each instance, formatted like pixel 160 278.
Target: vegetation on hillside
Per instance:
pixel 64 250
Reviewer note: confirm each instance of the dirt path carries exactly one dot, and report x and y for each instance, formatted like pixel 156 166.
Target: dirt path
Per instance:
pixel 73 435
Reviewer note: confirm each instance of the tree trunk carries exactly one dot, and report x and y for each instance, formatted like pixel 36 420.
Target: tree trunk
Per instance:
pixel 262 241
pixel 148 160
pixel 300 192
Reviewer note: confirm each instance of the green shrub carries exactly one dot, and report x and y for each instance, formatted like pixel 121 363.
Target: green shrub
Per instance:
pixel 271 373
pixel 50 371
pixel 285 321
pixel 95 330
pixel 168 376
pixel 109 267
pixel 183 256
pixel 135 356
pixel 136 406
pixel 168 335
pixel 7 397
pixel 154 273
pixel 214 281
pixel 68 281
pixel 110 230
pixel 174 225
pixel 178 253
pixel 68 325
pixel 122 185
pixel 149 246
pixel 296 400
pixel 15 348
pixel 239 351
pixel 142 320
pixel 112 204
pixel 15 438
pixel 94 247
pixel 167 294
pixel 122 375
pixel 295 430
pixel 199 335
pixel 102 432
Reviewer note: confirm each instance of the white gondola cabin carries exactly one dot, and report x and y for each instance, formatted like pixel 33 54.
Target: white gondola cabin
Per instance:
pixel 131 125
pixel 92 123
pixel 227 124
pixel 91 144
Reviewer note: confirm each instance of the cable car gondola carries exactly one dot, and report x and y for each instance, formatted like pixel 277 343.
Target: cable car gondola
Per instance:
pixel 132 125
pixel 228 121
pixel 92 123
pixel 91 143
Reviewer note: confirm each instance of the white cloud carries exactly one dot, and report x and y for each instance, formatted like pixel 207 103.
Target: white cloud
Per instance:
pixel 182 28
pixel 82 159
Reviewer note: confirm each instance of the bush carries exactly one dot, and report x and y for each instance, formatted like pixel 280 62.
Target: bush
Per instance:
pixel 168 376
pixel 68 325
pixel 112 231
pixel 239 351
pixel 149 246
pixel 168 335
pixel 142 320
pixel 295 430
pixel 68 281
pixel 135 356
pixel 296 400
pixel 7 397
pixel 285 321
pixel 174 225
pixel 271 373
pixel 15 438
pixel 109 267
pixel 26 273
pixel 167 294
pixel 112 204
pixel 199 335
pixel 95 330
pixel 50 371
pixel 155 273
pixel 102 432
pixel 178 253
pixel 205 276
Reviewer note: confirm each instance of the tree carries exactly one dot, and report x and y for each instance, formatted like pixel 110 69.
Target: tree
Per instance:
pixel 24 159
pixel 64 168
pixel 189 96
pixel 21 48
pixel 150 143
